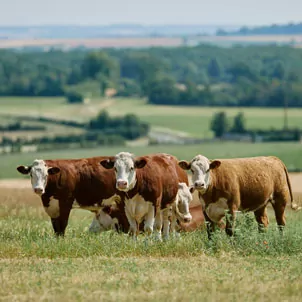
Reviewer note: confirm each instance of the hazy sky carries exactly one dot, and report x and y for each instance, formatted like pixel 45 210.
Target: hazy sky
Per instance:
pixel 93 12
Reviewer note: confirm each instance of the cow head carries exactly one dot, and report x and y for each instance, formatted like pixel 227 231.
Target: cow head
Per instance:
pixel 38 172
pixel 200 167
pixel 182 206
pixel 103 221
pixel 125 166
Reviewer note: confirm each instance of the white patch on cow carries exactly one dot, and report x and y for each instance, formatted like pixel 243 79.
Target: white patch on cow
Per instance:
pixel 136 209
pixel 200 168
pixel 216 210
pixel 53 210
pixel 125 171
pixel 182 201
pixel 38 176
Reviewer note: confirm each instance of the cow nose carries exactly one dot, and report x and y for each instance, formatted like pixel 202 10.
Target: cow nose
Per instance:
pixel 122 184
pixel 199 184
pixel 188 218
pixel 38 191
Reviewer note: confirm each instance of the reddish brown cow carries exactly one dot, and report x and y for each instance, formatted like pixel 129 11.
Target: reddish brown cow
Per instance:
pixel 246 184
pixel 62 182
pixel 150 184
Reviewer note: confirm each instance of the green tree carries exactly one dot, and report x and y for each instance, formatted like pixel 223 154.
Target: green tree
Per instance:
pixel 214 69
pixel 219 124
pixel 239 123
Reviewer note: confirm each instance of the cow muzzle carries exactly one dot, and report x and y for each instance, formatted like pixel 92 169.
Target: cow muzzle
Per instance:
pixel 121 184
pixel 38 191
pixel 187 218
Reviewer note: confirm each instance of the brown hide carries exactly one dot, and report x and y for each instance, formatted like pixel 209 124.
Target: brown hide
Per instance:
pixel 81 180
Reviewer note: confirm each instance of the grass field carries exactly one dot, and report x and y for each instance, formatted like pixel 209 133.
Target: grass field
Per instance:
pixel 34 266
pixel 290 153
pixel 194 121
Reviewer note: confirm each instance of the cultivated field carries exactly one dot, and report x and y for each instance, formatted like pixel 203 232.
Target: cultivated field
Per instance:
pixel 148 41
pixel 193 121
pixel 34 266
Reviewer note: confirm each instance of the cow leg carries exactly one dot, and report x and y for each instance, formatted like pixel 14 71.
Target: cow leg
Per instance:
pixel 174 225
pixel 262 219
pixel 158 224
pixel 149 221
pixel 279 204
pixel 210 225
pixel 166 223
pixel 133 228
pixel 59 224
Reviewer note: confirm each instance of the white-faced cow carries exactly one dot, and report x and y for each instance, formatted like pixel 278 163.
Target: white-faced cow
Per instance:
pixel 63 183
pixel 246 184
pixel 150 184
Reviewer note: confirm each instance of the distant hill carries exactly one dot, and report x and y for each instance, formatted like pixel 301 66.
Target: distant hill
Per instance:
pixel 274 29
pixel 104 31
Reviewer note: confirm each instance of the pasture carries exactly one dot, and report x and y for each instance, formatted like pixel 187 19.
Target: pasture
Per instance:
pixel 192 121
pixel 290 153
pixel 109 267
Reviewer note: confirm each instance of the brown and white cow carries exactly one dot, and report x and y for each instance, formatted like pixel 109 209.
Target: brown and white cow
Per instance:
pixel 246 184
pixel 113 217
pixel 63 183
pixel 150 185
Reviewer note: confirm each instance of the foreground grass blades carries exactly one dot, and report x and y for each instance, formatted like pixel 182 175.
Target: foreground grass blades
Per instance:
pixel 34 265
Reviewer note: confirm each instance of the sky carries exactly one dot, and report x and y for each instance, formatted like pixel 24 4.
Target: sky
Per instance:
pixel 101 12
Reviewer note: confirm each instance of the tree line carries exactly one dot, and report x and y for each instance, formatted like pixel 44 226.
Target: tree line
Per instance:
pixel 201 76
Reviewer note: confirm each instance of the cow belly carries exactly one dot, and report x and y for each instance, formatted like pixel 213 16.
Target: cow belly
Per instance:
pixel 216 210
pixel 53 209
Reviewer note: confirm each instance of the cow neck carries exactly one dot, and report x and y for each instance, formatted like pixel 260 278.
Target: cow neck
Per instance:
pixel 134 189
pixel 208 195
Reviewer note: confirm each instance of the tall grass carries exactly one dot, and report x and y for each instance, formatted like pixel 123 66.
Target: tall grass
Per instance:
pixel 34 265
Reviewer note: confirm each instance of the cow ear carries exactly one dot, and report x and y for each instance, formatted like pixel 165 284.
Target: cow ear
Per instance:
pixel 140 163
pixel 107 163
pixel 23 169
pixel 53 170
pixel 184 165
pixel 215 164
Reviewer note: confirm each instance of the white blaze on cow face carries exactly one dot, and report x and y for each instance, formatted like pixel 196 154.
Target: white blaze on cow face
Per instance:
pixel 184 197
pixel 200 167
pixel 124 165
pixel 39 172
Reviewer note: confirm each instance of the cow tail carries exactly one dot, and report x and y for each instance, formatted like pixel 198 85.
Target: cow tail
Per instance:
pixel 294 206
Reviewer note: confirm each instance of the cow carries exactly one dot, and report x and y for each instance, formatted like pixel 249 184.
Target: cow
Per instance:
pixel 246 184
pixel 113 217
pixel 150 186
pixel 63 184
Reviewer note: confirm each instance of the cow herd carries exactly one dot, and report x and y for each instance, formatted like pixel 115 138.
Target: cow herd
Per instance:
pixel 152 193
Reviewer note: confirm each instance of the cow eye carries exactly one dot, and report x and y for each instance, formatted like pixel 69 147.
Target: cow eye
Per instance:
pixel 131 169
pixel 192 171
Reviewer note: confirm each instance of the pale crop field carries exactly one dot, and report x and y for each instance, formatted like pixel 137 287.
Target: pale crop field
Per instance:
pixel 35 266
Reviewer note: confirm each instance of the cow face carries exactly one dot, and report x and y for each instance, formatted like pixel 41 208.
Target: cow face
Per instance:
pixel 38 172
pixel 200 167
pixel 183 202
pixel 103 221
pixel 124 165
